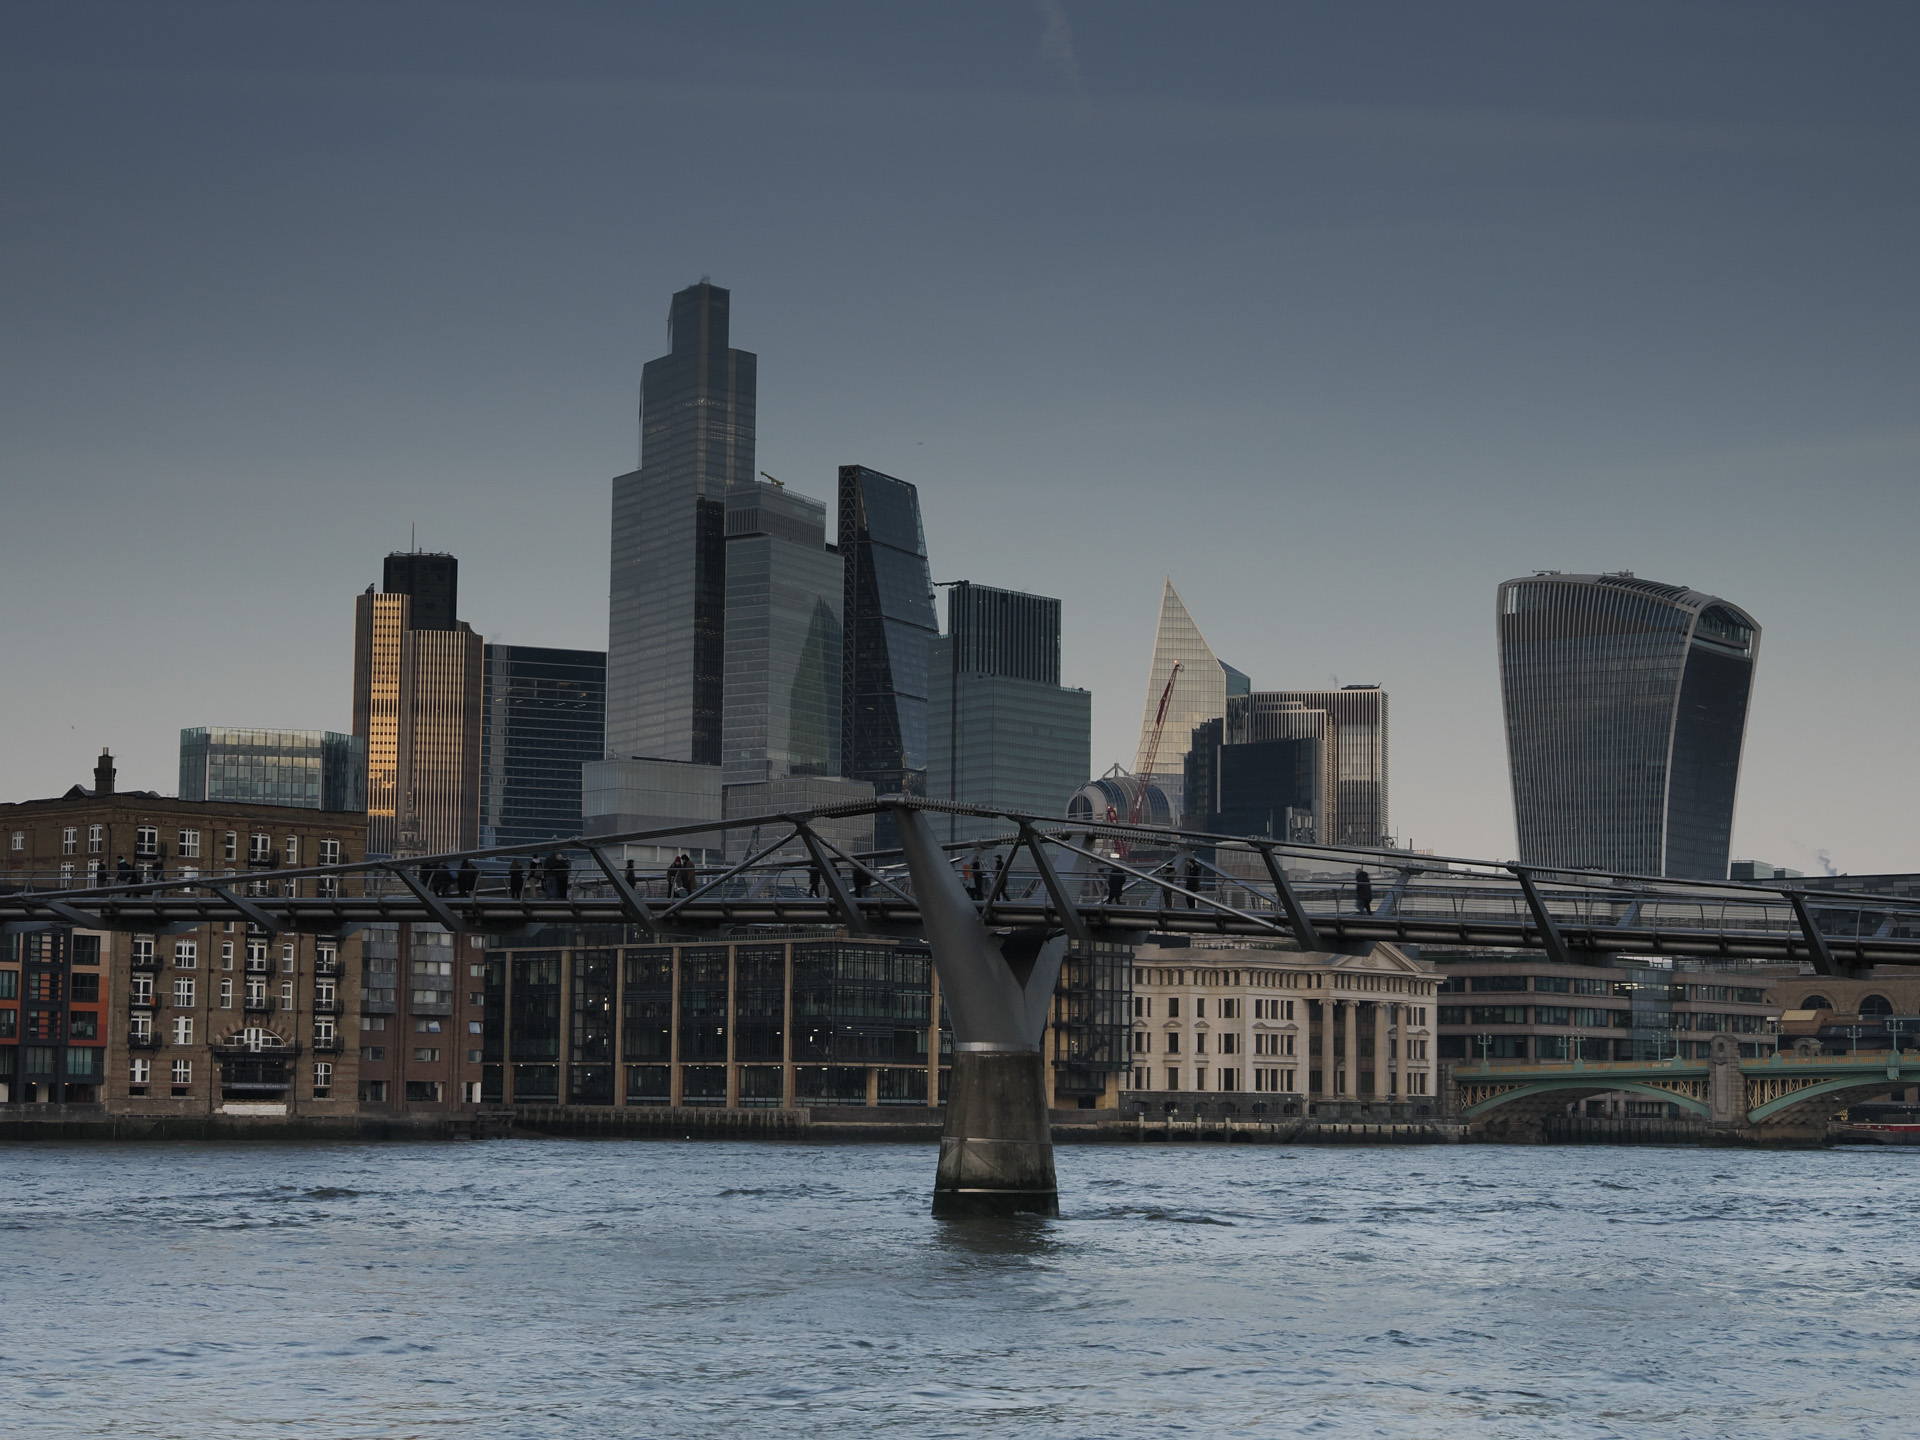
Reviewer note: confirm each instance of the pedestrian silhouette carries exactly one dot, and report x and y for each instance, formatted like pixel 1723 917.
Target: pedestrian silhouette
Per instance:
pixel 469 876
pixel 1363 891
pixel 1193 882
pixel 1116 883
pixel 516 878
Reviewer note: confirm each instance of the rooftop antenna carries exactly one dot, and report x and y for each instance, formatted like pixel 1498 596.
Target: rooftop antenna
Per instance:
pixel 412 544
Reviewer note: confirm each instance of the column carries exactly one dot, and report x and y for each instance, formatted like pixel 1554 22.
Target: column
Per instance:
pixel 1381 1089
pixel 787 1096
pixel 733 1025
pixel 933 1045
pixel 1353 1050
pixel 673 1048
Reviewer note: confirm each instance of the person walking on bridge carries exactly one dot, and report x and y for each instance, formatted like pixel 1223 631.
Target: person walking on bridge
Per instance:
pixel 469 877
pixel 516 878
pixel 1362 891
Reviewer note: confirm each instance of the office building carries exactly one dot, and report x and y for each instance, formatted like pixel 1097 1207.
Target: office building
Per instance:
pixel 311 769
pixel 889 629
pixel 1234 1028
pixel 210 1019
pixel 1626 707
pixel 417 709
pixel 781 714
pixel 1349 728
pixel 1001 731
pixel 1276 787
pixel 853 834
pixel 668 586
pixel 420 1006
pixel 622 796
pixel 1200 692
pixel 543 716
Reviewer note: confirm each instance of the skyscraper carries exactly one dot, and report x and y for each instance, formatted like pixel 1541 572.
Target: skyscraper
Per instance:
pixel 1000 729
pixel 1199 692
pixel 1626 707
pixel 1351 725
pixel 889 626
pixel 544 715
pixel 416 706
pixel 783 637
pixel 667 590
pixel 312 769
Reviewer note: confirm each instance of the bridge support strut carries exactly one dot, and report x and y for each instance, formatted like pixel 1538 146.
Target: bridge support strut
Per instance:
pixel 996 1153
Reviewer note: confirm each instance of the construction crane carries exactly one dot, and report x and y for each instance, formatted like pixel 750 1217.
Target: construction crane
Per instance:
pixel 1153 749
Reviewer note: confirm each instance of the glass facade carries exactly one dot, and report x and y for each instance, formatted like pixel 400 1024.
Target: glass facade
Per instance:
pixel 543 717
pixel 311 769
pixel 889 626
pixel 668 589
pixel 1257 787
pixel 1351 727
pixel 783 637
pixel 1626 706
pixel 1199 692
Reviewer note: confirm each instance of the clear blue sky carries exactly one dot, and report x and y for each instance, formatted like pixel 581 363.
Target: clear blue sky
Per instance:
pixel 1337 314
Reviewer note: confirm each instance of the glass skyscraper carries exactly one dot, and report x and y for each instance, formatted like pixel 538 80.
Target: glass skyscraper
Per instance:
pixel 889 626
pixel 783 638
pixel 1001 731
pixel 1351 726
pixel 416 707
pixel 1626 707
pixel 543 717
pixel 1200 693
pixel 312 769
pixel 667 588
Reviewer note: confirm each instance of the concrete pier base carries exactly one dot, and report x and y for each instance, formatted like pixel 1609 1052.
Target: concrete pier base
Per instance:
pixel 996 1157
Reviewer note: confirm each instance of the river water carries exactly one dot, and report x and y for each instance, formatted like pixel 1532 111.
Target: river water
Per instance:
pixel 610 1288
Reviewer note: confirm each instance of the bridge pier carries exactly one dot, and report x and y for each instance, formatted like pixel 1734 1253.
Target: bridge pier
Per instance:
pixel 996 1154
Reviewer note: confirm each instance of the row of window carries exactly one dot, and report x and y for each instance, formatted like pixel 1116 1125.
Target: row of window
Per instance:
pixel 1587 985
pixel 140 1075
pixel 1275 1080
pixel 186 955
pixel 146 844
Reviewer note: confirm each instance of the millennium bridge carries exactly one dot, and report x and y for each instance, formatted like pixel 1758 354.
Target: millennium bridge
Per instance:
pixel 999 911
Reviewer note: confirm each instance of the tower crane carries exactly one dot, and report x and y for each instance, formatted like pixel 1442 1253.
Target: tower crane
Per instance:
pixel 1153 748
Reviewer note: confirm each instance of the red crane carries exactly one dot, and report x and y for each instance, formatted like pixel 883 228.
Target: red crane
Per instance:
pixel 1153 748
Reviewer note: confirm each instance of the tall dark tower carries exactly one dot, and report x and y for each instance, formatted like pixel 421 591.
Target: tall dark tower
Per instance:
pixel 667 602
pixel 430 582
pixel 889 625
pixel 1626 706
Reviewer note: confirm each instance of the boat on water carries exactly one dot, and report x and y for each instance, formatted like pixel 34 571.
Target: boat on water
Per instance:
pixel 1880 1122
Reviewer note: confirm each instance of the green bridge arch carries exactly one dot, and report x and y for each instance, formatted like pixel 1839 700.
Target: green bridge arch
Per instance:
pixel 1880 1079
pixel 1592 1084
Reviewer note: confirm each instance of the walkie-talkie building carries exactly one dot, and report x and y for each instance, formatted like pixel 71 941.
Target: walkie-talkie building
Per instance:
pixel 1626 705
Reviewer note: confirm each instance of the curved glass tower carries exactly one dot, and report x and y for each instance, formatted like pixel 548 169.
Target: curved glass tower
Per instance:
pixel 1626 706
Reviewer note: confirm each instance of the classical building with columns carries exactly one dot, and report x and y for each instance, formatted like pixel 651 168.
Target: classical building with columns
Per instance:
pixel 1281 1032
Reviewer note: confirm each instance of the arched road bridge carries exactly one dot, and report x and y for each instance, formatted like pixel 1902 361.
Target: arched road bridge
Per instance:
pixel 998 913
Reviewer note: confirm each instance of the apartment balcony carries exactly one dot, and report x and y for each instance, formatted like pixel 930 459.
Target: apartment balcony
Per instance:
pixel 146 962
pixel 327 1007
pixel 146 1002
pixel 335 1046
pixel 138 1041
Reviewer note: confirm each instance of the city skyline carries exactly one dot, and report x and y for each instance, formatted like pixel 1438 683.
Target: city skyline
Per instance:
pixel 1515 312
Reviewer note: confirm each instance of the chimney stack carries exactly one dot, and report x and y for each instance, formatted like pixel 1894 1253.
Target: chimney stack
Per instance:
pixel 103 773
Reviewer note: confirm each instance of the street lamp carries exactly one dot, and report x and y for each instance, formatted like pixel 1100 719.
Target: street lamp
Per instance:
pixel 1486 1044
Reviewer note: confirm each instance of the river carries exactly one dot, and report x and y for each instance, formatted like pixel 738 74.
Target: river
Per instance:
pixel 610 1288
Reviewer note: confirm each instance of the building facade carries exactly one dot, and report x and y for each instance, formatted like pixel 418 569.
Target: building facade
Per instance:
pixel 312 769
pixel 218 1018
pixel 1200 692
pixel 421 999
pixel 1001 730
pixel 668 585
pixel 543 717
pixel 417 695
pixel 1626 708
pixel 889 628
pixel 781 713
pixel 1349 726
pixel 1283 1032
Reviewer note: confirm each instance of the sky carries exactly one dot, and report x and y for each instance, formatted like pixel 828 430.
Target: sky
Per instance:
pixel 1337 315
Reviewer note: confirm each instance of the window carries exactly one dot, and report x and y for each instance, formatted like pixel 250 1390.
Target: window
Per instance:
pixel 1229 1009
pixel 476 1027
pixel 226 954
pixel 323 992
pixel 189 844
pixel 183 993
pixel 325 957
pixel 183 1030
pixel 1173 1077
pixel 373 1092
pixel 1173 1042
pixel 1230 1045
pixel 286 960
pixel 473 1057
pixel 86 989
pixel 96 838
pixel 323 1033
pixel 256 955
pixel 66 874
pixel 373 1052
pixel 1593 987
pixel 186 954
pixel 83 1025
pixel 293 849
pixel 139 1072
pixel 426 1027
pixel 226 994
pixel 1173 1007
pixel 373 1022
pixel 19 840
pixel 9 984
pixel 476 997
pixel 286 995
pixel 329 852
pixel 259 848
pixel 425 1054
pixel 1552 984
pixel 1499 982
pixel 1551 1015
pixel 183 1072
pixel 322 1077
pixel 231 850
pixel 1497 1014
pixel 1140 1007
pixel 1200 1007
pixel 1142 1043
pixel 1229 1079
pixel 69 840
pixel 146 841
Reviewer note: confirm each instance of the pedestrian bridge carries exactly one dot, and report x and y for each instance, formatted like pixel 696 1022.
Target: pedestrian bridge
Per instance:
pixel 1769 1096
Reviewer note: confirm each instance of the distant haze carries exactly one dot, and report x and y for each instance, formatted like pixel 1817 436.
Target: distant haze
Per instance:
pixel 1338 315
